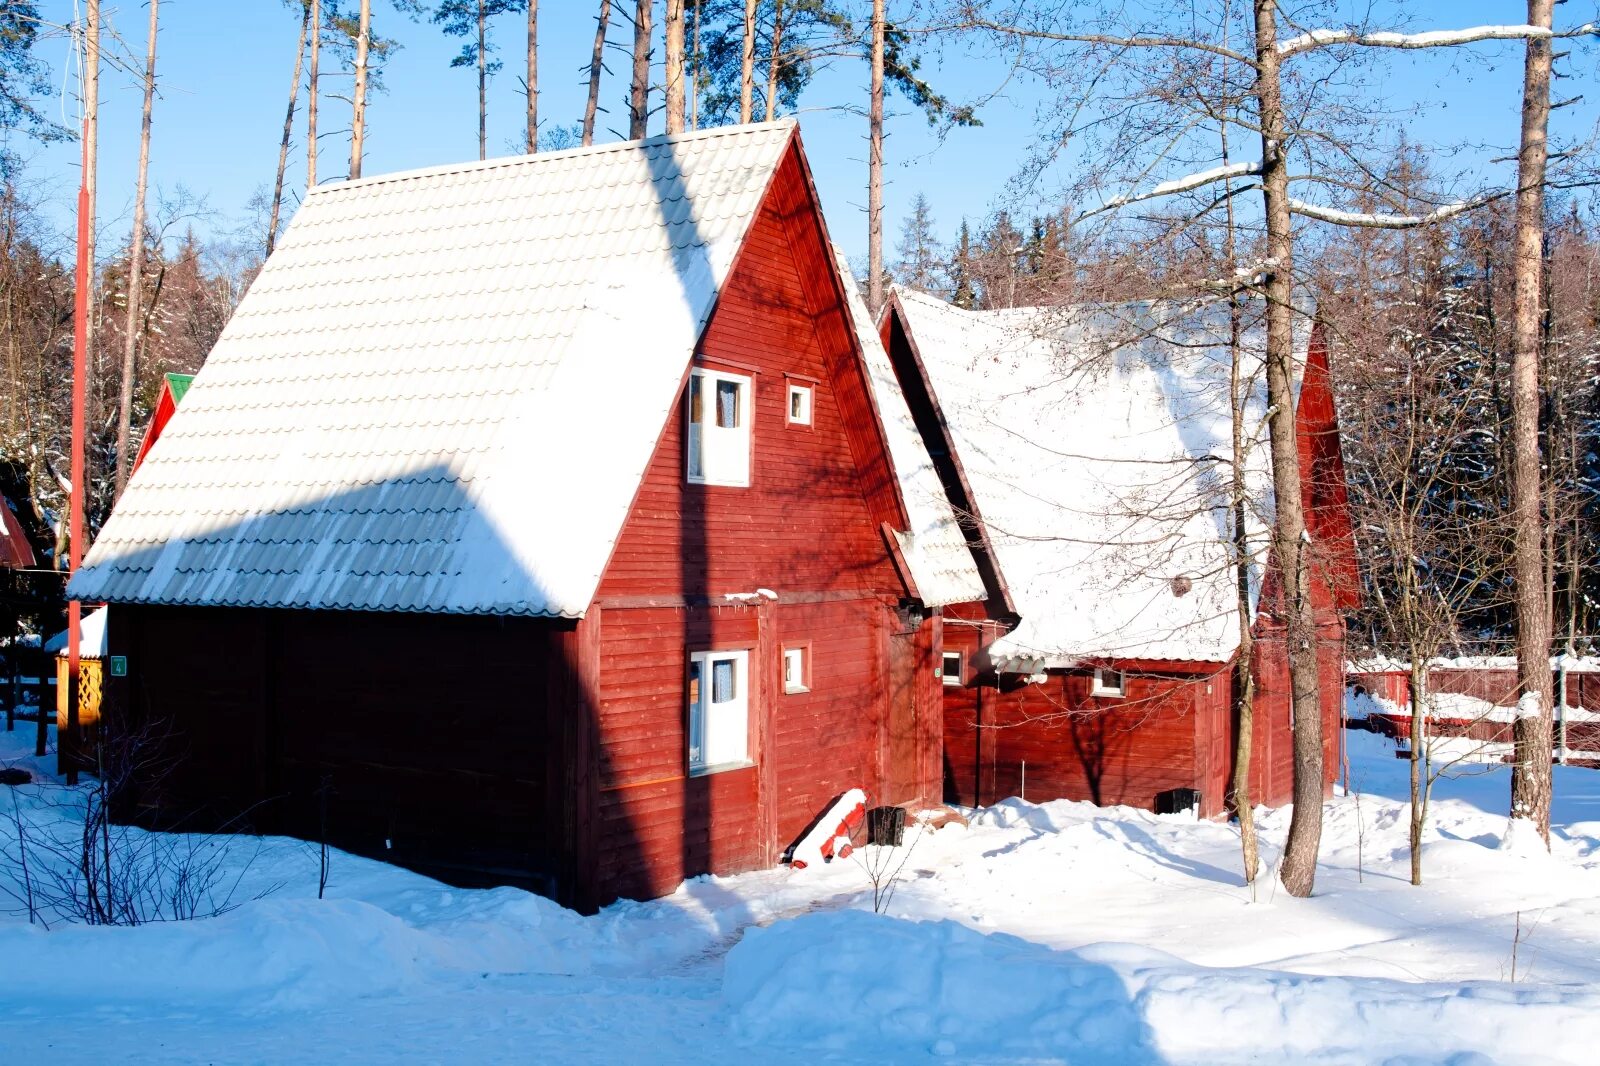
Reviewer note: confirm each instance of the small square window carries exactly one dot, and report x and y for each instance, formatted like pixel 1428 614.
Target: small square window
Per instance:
pixel 719 711
pixel 800 405
pixel 951 670
pixel 1107 682
pixel 797 669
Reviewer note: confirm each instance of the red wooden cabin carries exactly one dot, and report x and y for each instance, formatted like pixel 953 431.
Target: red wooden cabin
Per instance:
pixel 1087 449
pixel 542 520
pixel 15 551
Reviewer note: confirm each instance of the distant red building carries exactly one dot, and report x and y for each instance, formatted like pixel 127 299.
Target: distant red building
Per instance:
pixel 1086 449
pixel 542 520
pixel 15 551
pixel 173 389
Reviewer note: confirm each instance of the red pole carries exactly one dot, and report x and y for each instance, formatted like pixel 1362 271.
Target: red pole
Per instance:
pixel 66 739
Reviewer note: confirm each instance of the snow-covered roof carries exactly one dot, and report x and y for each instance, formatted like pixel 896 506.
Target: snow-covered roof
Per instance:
pixel 91 636
pixel 1382 664
pixel 934 548
pixel 443 388
pixel 1095 441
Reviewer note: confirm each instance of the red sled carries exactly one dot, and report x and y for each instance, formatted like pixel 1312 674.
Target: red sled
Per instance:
pixel 829 837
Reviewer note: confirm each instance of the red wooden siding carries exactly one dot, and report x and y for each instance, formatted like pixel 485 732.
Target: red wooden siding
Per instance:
pixel 807 527
pixel 825 740
pixel 1069 744
pixel 657 825
pixel 433 741
pixel 804 522
pixel 1324 490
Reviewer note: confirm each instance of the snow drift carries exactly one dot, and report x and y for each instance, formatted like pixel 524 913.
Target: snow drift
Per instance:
pixel 884 987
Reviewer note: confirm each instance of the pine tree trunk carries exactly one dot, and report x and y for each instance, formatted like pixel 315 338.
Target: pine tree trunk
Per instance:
pixel 131 325
pixel 533 77
pixel 597 62
pixel 694 68
pixel 775 60
pixel 311 96
pixel 639 98
pixel 1289 535
pixel 1530 771
pixel 288 129
pixel 358 109
pixel 875 167
pixel 747 63
pixel 483 89
pixel 674 73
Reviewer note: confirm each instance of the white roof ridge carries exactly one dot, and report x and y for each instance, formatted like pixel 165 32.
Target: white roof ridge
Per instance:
pixel 525 159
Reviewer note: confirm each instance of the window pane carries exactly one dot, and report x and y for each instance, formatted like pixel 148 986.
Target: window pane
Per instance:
pixel 696 400
pixel 696 717
pixel 728 404
pixel 722 681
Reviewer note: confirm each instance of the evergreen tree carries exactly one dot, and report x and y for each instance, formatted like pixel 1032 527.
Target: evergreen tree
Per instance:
pixel 960 271
pixel 23 77
pixel 920 254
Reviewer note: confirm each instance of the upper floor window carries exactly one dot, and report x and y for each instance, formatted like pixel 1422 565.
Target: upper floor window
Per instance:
pixel 800 405
pixel 718 438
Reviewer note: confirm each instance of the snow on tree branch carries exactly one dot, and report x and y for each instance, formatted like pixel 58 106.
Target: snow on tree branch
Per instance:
pixel 1387 221
pixel 1429 39
pixel 1178 185
pixel 1136 41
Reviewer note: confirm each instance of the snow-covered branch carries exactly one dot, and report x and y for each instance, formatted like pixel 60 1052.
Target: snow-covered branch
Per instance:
pixel 1186 183
pixel 1136 41
pixel 1427 39
pixel 1367 220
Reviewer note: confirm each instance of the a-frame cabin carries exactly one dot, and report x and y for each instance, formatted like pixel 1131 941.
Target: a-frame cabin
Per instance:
pixel 540 520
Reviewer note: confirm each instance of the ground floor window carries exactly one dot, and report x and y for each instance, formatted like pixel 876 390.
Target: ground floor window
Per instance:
pixel 951 670
pixel 1107 682
pixel 719 710
pixel 797 668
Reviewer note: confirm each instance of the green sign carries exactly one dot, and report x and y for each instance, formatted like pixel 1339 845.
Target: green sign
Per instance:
pixel 119 666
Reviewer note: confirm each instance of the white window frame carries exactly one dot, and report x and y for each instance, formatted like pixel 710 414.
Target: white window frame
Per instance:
pixel 1103 686
pixel 800 653
pixel 807 398
pixel 944 667
pixel 723 451
pixel 718 735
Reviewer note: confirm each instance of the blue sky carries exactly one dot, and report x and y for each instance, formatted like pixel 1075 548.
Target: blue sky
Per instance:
pixel 224 69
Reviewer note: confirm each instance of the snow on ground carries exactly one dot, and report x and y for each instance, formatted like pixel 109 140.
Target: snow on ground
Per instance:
pixel 1053 932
